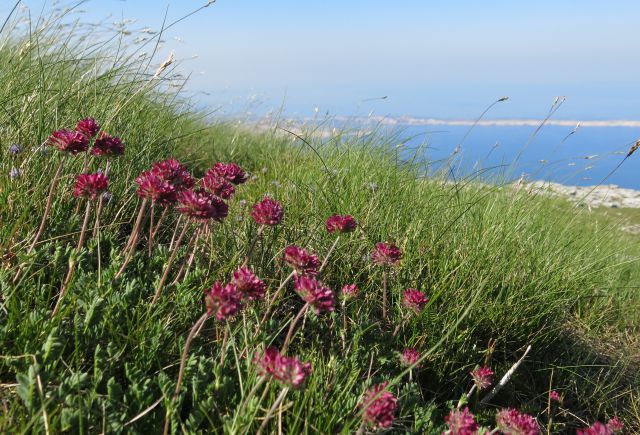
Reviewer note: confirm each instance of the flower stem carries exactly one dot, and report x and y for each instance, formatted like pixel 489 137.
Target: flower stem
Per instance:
pixel 159 224
pixel 187 265
pixel 384 294
pixel 167 267
pixel 402 321
pixel 175 233
pixel 294 322
pixel 273 299
pixel 100 205
pixel 275 405
pixel 183 362
pixel 253 245
pixel 133 239
pixel 72 266
pixel 150 243
pixel 326 258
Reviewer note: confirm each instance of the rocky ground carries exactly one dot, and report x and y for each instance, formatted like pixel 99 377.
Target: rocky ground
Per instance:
pixel 607 195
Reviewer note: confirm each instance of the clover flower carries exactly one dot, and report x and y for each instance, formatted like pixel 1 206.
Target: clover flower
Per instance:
pixel 313 292
pixel 223 301
pixel 89 186
pixel 386 253
pixel 174 173
pixel 248 283
pixel 379 406
pixel 68 141
pixel 512 422
pixel 288 370
pixel 414 300
pixel 107 145
pixel 217 185
pixel 554 396
pixel 300 260
pixel 15 149
pixel 409 356
pixel 461 422
pixel 230 171
pixel 341 224
pixel 596 428
pixel 482 377
pixel 88 127
pixel 267 212
pixel 350 291
pixel 156 189
pixel 615 425
pixel 202 205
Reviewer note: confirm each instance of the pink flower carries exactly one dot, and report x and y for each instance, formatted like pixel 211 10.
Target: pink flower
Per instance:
pixel 90 185
pixel 223 301
pixel 386 253
pixel 232 172
pixel 288 370
pixel 248 283
pixel 342 224
pixel 313 292
pixel 482 377
pixel 202 205
pixel 596 429
pixel 554 396
pixel 379 406
pixel 409 356
pixel 155 188
pixel 512 422
pixel 217 185
pixel 350 291
pixel 68 141
pixel 615 425
pixel 88 127
pixel 414 300
pixel 301 260
pixel 107 145
pixel 267 212
pixel 461 422
pixel 174 173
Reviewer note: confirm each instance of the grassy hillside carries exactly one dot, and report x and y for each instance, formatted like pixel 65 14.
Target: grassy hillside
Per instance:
pixel 503 269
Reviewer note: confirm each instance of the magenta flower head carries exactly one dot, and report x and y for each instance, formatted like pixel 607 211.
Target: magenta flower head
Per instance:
pixel 288 370
pixel 174 173
pixel 267 212
pixel 341 224
pixel 107 145
pixel 596 428
pixel 512 422
pixel 482 377
pixel 223 301
pixel 202 205
pixel 414 300
pixel 461 422
pixel 313 292
pixel 379 406
pixel 68 141
pixel 217 185
pixel 301 261
pixel 89 186
pixel 386 253
pixel 350 291
pixel 554 396
pixel 88 127
pixel 248 283
pixel 409 356
pixel 616 426
pixel 230 171
pixel 156 189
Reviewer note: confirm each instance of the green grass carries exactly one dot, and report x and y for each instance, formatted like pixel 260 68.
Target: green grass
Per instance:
pixel 504 269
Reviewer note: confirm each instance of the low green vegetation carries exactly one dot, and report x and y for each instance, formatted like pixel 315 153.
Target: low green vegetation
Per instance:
pixel 503 269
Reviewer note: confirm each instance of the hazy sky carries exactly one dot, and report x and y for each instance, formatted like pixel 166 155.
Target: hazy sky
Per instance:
pixel 441 59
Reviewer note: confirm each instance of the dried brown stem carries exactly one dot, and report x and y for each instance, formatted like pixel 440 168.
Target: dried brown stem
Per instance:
pixel 294 322
pixel 133 239
pixel 167 267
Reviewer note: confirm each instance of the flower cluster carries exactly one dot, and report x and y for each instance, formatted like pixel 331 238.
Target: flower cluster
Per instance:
pixel 223 301
pixel 482 377
pixel 341 224
pixel 229 171
pixel 68 141
pixel 613 427
pixel 415 300
pixel 386 253
pixel 301 261
pixel 313 292
pixel 107 145
pixel 89 186
pixel 88 127
pixel 174 173
pixel 202 205
pixel 409 356
pixel 379 406
pixel 512 422
pixel 287 370
pixel 156 189
pixel 248 283
pixel 350 291
pixel 554 396
pixel 267 212
pixel 217 185
pixel 461 422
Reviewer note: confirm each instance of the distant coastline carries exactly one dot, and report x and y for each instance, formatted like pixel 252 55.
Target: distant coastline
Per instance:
pixel 407 120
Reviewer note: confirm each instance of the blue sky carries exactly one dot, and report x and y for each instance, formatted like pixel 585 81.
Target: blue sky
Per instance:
pixel 440 59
